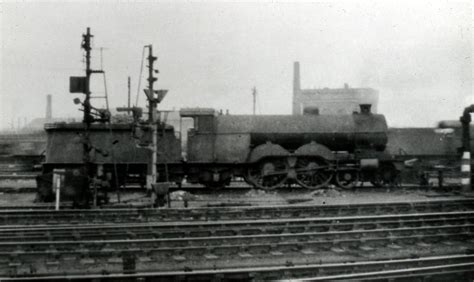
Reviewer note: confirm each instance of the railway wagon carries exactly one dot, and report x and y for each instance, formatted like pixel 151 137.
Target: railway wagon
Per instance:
pixel 116 156
pixel 269 151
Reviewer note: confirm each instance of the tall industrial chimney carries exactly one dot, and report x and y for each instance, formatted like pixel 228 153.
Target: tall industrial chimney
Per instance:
pixel 296 77
pixel 49 107
pixel 296 88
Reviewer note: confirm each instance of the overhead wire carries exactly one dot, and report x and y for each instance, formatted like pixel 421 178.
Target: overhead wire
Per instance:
pixel 114 161
pixel 106 94
pixel 136 105
pixel 259 108
pixel 140 77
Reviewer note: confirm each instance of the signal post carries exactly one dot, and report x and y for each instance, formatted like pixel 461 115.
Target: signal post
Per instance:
pixel 154 98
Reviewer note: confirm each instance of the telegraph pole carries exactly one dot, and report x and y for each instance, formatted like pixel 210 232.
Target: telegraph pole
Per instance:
pixel 151 79
pixel 87 119
pixel 82 85
pixel 86 45
pixel 85 89
pixel 152 104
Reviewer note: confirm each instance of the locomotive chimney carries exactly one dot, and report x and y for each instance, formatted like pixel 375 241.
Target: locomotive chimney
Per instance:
pixel 365 108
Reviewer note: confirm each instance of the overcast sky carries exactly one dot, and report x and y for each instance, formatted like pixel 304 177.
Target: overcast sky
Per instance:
pixel 418 54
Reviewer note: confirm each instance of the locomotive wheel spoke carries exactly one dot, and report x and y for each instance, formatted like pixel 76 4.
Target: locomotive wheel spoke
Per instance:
pixel 347 178
pixel 309 170
pixel 268 174
pixel 312 173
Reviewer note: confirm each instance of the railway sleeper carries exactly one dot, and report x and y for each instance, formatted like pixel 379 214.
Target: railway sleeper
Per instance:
pixel 387 266
pixel 232 232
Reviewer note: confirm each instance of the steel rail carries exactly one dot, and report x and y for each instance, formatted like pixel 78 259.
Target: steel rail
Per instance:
pixel 362 218
pixel 122 232
pixel 378 205
pixel 294 206
pixel 327 271
pixel 391 274
pixel 146 215
pixel 441 273
pixel 237 242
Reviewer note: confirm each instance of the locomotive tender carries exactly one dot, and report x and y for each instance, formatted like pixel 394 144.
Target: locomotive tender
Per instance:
pixel 116 156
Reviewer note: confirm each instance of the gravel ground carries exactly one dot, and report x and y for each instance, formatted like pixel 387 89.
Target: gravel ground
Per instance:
pixel 318 197
pixel 254 197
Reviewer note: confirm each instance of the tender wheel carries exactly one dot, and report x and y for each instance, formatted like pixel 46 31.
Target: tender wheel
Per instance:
pixel 347 179
pixel 268 174
pixel 313 173
pixel 385 176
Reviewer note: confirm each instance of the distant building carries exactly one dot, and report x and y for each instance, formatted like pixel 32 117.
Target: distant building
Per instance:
pixel 330 101
pixel 38 123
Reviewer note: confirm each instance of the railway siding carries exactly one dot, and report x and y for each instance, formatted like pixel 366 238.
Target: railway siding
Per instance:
pixel 50 217
pixel 305 241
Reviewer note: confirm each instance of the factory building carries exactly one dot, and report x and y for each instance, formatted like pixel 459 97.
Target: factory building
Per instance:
pixel 330 100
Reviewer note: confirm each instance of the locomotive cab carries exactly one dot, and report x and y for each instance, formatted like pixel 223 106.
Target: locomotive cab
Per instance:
pixel 200 142
pixel 203 118
pixel 198 138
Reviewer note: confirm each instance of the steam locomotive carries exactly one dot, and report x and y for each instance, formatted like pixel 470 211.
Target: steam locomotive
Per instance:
pixel 312 151
pixel 267 151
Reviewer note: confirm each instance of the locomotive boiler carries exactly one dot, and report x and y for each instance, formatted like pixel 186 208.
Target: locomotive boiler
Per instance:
pixel 269 151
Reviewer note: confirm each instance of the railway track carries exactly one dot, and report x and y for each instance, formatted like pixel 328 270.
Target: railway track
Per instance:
pixel 226 228
pixel 50 217
pixel 222 252
pixel 305 241
pixel 185 248
pixel 460 266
